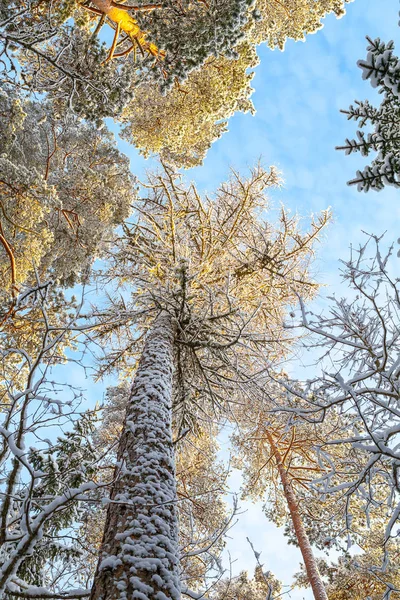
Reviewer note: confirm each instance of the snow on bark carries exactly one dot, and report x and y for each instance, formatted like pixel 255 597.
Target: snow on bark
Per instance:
pixel 139 557
pixel 313 574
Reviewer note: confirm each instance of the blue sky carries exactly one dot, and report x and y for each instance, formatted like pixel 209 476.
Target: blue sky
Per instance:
pixel 297 125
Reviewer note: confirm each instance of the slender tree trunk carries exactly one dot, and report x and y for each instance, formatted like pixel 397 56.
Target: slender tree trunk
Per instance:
pixel 313 575
pixel 139 556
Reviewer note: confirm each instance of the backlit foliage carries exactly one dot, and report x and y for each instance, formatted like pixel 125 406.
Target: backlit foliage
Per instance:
pixel 166 124
pixel 182 124
pixel 63 186
pixel 223 272
pixel 280 20
pixel 266 436
pixel 259 438
pixel 200 55
pixel 362 574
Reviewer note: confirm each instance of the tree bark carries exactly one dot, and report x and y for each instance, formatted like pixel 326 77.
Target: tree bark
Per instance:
pixel 313 574
pixel 139 556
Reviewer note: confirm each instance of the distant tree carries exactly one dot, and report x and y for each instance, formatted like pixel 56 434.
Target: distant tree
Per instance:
pixel 210 283
pixel 204 518
pixel 382 68
pixel 278 460
pixel 362 575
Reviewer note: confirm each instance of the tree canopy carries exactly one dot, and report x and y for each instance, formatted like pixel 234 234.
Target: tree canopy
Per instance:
pixel 173 74
pixel 64 187
pixel 194 305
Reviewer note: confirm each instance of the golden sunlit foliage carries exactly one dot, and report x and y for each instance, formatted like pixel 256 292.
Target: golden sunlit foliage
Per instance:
pixel 182 124
pixel 174 101
pixel 63 186
pixel 365 573
pixel 281 20
pixel 213 258
pixel 266 438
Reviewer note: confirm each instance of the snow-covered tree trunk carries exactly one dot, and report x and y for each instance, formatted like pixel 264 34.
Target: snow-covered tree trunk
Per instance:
pixel 139 557
pixel 310 564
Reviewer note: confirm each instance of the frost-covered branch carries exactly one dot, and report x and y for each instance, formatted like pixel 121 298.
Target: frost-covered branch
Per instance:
pixel 359 388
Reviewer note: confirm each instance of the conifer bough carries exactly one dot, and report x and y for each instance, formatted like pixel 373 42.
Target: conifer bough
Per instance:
pixel 382 68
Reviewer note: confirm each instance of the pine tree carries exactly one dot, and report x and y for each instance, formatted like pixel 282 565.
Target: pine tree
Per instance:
pixel 207 277
pixel 164 123
pixel 277 21
pixel 278 458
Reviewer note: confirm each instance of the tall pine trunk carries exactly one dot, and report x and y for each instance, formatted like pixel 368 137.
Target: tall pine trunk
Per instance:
pixel 313 575
pixel 139 556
